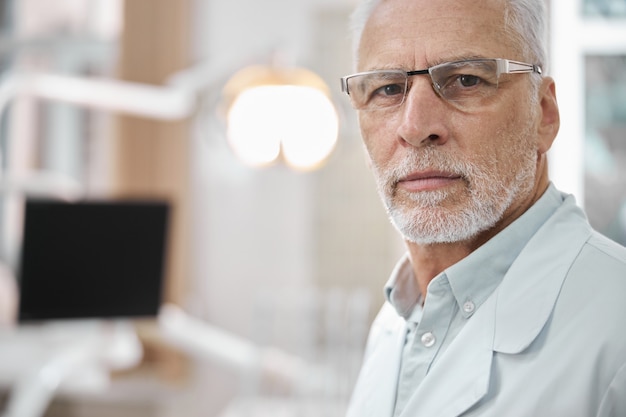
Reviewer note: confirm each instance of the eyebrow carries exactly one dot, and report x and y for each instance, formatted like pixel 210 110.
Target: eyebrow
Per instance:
pixel 386 67
pixel 449 58
pixel 456 58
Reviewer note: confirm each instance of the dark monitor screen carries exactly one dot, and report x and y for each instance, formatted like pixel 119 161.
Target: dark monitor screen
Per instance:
pixel 92 259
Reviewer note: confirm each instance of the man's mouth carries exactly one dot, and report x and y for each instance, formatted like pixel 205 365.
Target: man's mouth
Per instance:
pixel 428 180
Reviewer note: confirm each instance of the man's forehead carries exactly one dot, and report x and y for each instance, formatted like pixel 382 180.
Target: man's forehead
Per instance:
pixel 432 31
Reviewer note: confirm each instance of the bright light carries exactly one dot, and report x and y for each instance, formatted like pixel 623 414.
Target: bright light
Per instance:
pixel 252 126
pixel 300 121
pixel 311 127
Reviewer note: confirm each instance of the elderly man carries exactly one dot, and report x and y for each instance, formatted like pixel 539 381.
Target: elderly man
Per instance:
pixel 507 302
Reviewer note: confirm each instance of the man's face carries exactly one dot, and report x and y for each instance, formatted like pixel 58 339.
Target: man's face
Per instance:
pixel 447 174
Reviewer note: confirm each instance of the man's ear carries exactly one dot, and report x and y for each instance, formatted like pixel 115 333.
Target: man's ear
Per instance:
pixel 549 120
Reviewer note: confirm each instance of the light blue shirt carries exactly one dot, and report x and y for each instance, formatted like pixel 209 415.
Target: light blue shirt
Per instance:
pixel 529 325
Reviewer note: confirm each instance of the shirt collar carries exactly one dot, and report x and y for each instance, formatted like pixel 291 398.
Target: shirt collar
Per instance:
pixel 475 277
pixel 401 290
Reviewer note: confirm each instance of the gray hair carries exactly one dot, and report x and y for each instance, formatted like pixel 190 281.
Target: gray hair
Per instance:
pixel 525 20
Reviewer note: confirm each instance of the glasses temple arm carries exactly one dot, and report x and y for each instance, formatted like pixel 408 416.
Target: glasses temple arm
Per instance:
pixel 512 67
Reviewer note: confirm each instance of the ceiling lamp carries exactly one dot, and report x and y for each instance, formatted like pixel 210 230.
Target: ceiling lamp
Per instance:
pixel 280 113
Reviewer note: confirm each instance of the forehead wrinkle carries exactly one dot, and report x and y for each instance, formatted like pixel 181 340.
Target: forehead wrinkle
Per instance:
pixel 401 38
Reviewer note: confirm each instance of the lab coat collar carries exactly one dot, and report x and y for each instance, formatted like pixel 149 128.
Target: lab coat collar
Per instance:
pixel 375 391
pixel 526 296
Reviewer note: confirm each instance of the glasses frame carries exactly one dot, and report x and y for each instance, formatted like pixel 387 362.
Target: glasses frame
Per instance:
pixel 503 66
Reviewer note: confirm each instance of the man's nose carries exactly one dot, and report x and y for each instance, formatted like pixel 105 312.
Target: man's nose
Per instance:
pixel 423 116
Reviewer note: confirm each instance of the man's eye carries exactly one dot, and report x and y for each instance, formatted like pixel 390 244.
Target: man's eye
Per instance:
pixel 389 90
pixel 469 80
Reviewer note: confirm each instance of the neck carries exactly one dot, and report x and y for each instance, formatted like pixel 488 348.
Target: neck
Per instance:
pixel 430 260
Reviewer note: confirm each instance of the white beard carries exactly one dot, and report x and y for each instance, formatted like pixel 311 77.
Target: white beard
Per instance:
pixel 425 218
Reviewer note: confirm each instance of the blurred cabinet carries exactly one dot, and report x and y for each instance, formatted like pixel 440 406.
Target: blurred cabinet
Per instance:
pixel 605 119
pixel 605 143
pixel 588 62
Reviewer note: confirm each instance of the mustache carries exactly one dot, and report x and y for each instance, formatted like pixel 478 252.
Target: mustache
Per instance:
pixel 428 159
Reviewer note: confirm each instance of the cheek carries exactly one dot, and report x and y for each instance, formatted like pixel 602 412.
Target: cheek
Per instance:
pixel 475 137
pixel 511 143
pixel 499 131
pixel 377 138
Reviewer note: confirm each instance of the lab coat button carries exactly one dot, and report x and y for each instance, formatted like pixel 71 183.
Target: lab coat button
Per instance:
pixel 469 307
pixel 428 339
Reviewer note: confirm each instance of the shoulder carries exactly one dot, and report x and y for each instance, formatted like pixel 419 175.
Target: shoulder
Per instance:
pixel 601 257
pixel 594 289
pixel 608 248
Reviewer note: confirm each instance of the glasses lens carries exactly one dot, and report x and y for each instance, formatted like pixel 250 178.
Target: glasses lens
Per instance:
pixel 377 90
pixel 466 81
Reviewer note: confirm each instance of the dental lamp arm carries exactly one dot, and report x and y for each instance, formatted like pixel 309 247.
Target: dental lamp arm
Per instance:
pixel 197 337
pixel 138 99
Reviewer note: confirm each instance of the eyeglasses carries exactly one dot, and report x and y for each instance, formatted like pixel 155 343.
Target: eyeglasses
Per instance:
pixel 464 83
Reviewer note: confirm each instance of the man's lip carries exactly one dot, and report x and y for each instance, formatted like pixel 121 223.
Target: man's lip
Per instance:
pixel 425 175
pixel 428 180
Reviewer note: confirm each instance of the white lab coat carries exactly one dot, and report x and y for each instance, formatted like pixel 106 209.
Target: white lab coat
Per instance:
pixel 549 342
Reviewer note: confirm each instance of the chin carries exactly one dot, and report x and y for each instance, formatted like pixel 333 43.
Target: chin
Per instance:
pixel 442 226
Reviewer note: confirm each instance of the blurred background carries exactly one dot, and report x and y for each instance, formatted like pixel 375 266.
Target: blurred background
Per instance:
pixel 275 253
